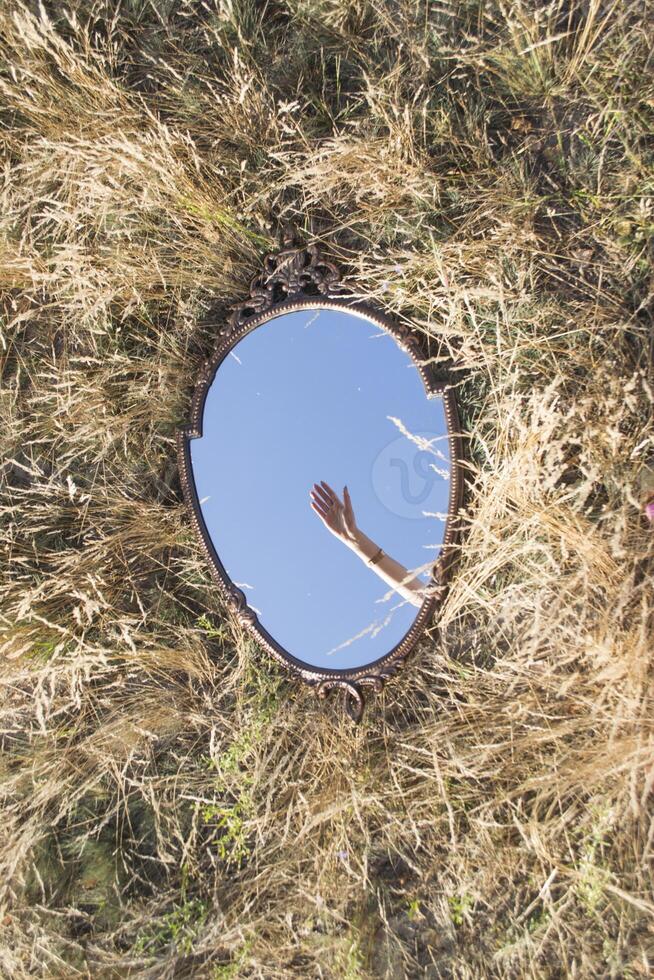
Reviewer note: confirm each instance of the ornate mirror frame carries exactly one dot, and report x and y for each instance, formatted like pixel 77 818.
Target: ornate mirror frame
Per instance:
pixel 295 278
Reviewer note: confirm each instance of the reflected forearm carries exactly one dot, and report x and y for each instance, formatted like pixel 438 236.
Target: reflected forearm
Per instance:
pixel 394 574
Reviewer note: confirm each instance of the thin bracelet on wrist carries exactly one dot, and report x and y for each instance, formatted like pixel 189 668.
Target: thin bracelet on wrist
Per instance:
pixel 378 555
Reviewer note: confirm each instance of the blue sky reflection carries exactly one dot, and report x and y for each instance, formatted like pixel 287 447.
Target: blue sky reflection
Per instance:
pixel 322 395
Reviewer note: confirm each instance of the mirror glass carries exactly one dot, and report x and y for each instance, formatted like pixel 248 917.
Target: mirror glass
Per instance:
pixel 320 446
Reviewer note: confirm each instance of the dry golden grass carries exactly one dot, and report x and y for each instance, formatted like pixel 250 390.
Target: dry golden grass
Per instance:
pixel 173 804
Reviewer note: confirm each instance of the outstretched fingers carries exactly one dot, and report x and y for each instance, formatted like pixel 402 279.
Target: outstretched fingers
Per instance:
pixel 327 505
pixel 319 511
pixel 320 502
pixel 322 496
pixel 330 493
pixel 348 502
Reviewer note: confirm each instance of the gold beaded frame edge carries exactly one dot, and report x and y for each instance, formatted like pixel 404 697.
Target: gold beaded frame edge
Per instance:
pixel 296 270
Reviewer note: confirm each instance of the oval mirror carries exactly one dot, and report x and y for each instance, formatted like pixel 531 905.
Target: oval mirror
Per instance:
pixel 321 467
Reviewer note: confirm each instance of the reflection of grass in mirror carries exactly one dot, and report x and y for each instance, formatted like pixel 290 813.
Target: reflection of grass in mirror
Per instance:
pixel 425 446
pixel 506 211
pixel 377 626
pixel 372 629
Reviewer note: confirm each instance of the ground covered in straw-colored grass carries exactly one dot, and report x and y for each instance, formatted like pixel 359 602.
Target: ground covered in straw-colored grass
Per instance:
pixel 173 804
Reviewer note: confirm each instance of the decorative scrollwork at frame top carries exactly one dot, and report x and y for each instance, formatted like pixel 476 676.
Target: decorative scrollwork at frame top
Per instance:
pixel 292 271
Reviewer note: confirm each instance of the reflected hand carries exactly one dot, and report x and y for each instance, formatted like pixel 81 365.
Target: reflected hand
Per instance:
pixel 336 515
